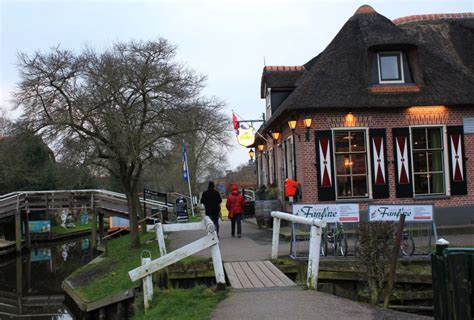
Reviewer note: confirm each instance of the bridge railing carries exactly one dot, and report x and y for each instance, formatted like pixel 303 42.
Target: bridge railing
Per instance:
pixel 314 242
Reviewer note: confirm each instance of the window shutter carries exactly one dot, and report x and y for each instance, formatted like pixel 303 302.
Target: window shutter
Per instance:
pixel 402 155
pixel 378 148
pixel 457 160
pixel 324 165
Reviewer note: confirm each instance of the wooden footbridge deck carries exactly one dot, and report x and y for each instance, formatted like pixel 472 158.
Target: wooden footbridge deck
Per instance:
pixel 255 274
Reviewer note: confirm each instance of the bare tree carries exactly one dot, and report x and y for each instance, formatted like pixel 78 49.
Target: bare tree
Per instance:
pixel 121 106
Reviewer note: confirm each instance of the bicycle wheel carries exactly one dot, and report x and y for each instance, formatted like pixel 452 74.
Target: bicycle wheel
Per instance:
pixel 407 246
pixel 342 245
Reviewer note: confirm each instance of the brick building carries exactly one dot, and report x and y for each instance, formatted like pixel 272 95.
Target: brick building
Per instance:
pixel 385 114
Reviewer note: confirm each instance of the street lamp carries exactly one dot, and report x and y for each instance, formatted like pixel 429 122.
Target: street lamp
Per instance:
pixel 251 154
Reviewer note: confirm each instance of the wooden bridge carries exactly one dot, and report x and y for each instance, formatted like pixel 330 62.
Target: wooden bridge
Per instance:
pixel 23 205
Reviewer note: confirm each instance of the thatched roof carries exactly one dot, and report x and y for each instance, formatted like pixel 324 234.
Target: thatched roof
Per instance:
pixel 440 53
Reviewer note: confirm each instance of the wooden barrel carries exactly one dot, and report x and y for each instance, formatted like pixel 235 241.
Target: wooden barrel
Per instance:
pixel 259 212
pixel 268 207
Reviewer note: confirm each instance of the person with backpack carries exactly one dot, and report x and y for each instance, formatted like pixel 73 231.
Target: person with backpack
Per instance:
pixel 211 199
pixel 235 206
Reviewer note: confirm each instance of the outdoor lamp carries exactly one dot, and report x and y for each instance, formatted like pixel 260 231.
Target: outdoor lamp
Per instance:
pixel 276 135
pixel 261 147
pixel 307 123
pixel 292 124
pixel 251 154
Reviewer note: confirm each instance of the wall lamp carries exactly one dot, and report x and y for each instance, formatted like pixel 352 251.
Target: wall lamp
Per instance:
pixel 261 147
pixel 307 123
pixel 276 135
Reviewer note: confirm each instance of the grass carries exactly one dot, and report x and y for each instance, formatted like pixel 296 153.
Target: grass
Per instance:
pixel 109 275
pixel 57 229
pixel 176 304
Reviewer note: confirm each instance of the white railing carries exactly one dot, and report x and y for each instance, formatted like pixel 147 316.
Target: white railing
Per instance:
pixel 150 266
pixel 314 242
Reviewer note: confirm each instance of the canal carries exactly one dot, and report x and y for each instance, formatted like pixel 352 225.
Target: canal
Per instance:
pixel 30 284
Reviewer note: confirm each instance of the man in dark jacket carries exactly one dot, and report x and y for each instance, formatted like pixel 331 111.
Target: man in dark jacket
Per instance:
pixel 211 199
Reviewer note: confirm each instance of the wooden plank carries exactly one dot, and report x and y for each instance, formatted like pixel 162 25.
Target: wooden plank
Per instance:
pixel 172 257
pixel 183 226
pixel 233 279
pixel 276 280
pixel 287 281
pixel 253 277
pixel 262 276
pixel 241 275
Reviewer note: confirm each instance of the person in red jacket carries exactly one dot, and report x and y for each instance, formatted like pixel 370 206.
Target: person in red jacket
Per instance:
pixel 235 205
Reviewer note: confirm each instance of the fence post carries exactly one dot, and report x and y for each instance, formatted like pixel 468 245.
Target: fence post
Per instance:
pixel 313 259
pixel 276 237
pixel 147 283
pixel 216 255
pixel 161 238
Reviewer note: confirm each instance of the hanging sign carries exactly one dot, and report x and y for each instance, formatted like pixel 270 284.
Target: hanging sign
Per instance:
pixel 418 212
pixel 348 212
pixel 246 137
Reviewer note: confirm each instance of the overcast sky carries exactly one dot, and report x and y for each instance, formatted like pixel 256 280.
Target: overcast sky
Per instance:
pixel 225 40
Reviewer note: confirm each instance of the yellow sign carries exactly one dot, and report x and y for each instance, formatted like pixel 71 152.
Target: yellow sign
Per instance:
pixel 246 137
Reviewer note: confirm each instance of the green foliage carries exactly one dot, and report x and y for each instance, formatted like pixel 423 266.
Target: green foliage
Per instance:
pixel 196 303
pixel 27 163
pixel 272 193
pixel 109 275
pixel 374 252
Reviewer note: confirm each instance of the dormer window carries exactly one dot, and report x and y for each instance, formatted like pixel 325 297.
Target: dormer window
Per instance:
pixel 390 67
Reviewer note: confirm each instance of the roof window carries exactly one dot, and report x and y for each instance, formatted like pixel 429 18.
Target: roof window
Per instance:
pixel 390 67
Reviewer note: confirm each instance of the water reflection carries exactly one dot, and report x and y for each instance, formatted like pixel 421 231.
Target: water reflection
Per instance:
pixel 30 285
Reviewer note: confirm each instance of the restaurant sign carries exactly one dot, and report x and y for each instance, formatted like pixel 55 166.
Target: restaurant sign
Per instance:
pixel 418 212
pixel 343 213
pixel 246 137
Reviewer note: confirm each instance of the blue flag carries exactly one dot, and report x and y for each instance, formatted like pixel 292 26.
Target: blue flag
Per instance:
pixel 185 168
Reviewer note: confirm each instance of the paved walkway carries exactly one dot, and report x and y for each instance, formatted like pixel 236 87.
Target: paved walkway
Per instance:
pixel 282 303
pixel 255 244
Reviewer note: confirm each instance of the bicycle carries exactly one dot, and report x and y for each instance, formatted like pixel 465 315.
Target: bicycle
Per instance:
pixel 407 246
pixel 336 238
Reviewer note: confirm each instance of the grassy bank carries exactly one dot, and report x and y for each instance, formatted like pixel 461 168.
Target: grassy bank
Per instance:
pixel 109 275
pixel 57 229
pixel 177 304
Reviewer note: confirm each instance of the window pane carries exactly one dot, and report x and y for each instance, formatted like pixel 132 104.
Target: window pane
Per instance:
pixel 344 186
pixel 389 65
pixel 343 164
pixel 421 184
pixel 360 186
pixel 435 160
pixel 437 185
pixel 419 161
pixel 434 138
pixel 357 141
pixel 418 138
pixel 342 141
pixel 358 163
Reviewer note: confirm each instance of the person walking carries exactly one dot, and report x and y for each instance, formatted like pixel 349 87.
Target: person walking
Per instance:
pixel 211 199
pixel 235 205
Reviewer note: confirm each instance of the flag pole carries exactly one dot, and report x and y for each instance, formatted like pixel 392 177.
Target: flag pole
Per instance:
pixel 189 181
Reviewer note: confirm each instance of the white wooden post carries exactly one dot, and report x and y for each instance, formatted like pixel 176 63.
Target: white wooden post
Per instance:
pixel 276 237
pixel 314 242
pixel 147 285
pixel 313 259
pixel 217 263
pixel 161 238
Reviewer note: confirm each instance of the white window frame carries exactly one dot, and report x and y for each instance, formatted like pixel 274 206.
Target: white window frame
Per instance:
pixel 367 161
pixel 271 173
pixel 400 54
pixel 268 102
pixel 447 187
